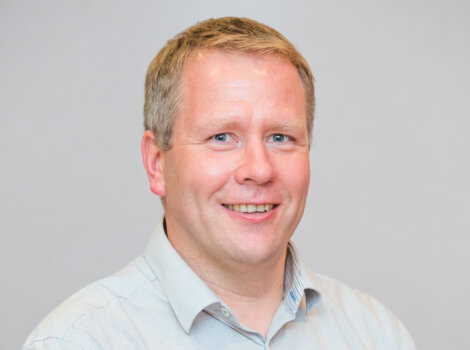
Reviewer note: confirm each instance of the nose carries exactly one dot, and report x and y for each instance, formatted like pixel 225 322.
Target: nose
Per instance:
pixel 256 165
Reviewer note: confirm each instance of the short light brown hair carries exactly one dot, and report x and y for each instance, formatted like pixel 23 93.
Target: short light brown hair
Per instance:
pixel 230 34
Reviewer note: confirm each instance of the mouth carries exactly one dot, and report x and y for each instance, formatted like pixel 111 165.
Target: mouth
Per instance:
pixel 250 208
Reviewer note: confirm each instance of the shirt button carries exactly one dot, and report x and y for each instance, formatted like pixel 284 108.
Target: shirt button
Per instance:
pixel 225 312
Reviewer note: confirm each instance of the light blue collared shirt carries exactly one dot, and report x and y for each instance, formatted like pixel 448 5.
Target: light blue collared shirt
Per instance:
pixel 158 302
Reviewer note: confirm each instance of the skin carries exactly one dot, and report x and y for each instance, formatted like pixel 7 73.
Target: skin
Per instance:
pixel 240 136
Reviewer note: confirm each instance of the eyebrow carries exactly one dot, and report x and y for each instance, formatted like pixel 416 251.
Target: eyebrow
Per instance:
pixel 218 124
pixel 288 125
pixel 224 124
pixel 229 124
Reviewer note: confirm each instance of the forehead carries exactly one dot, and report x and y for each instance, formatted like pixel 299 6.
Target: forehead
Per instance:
pixel 213 76
pixel 215 63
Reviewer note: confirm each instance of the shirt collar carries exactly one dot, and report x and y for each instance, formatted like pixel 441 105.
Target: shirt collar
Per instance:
pixel 188 294
pixel 298 282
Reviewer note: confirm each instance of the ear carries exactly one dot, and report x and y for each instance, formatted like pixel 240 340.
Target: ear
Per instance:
pixel 153 158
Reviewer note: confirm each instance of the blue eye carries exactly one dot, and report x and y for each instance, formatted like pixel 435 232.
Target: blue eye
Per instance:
pixel 221 137
pixel 279 138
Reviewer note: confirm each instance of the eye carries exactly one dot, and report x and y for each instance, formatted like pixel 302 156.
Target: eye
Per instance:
pixel 223 141
pixel 223 137
pixel 279 138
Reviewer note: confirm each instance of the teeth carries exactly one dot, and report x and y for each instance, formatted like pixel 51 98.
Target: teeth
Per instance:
pixel 250 208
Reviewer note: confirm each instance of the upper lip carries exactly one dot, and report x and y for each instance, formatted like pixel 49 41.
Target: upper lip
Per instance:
pixel 257 202
pixel 252 203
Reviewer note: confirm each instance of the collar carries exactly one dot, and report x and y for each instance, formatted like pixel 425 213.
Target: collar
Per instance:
pixel 188 294
pixel 298 283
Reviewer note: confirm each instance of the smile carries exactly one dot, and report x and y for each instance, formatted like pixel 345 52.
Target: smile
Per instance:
pixel 250 208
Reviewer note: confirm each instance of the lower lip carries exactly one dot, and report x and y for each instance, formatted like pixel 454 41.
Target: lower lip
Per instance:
pixel 256 218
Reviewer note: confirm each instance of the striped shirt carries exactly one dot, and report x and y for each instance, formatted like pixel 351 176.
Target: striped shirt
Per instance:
pixel 158 302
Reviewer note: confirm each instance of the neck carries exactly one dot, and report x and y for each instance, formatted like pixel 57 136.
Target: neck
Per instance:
pixel 253 294
pixel 252 291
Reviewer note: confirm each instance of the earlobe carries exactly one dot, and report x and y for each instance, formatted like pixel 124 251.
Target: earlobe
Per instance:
pixel 153 158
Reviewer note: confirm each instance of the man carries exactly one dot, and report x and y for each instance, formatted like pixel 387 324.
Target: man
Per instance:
pixel 228 117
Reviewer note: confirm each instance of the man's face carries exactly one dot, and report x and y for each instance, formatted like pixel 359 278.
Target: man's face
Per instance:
pixel 240 144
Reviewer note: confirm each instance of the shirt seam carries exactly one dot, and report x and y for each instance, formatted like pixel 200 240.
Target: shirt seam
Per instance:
pixel 87 312
pixel 52 338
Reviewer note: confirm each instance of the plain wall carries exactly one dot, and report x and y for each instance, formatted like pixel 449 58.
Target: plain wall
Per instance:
pixel 388 208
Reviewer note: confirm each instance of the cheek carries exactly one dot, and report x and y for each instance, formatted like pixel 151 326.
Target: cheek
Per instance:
pixel 205 172
pixel 216 170
pixel 295 174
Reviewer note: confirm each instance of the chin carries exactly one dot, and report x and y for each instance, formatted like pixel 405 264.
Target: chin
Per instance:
pixel 256 253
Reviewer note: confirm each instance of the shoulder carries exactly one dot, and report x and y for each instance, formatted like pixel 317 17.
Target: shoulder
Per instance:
pixel 105 306
pixel 360 314
pixel 339 295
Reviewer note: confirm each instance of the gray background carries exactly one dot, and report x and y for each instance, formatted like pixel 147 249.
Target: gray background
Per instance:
pixel 388 207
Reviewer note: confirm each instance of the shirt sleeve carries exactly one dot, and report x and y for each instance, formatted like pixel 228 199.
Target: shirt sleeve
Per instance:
pixel 52 343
